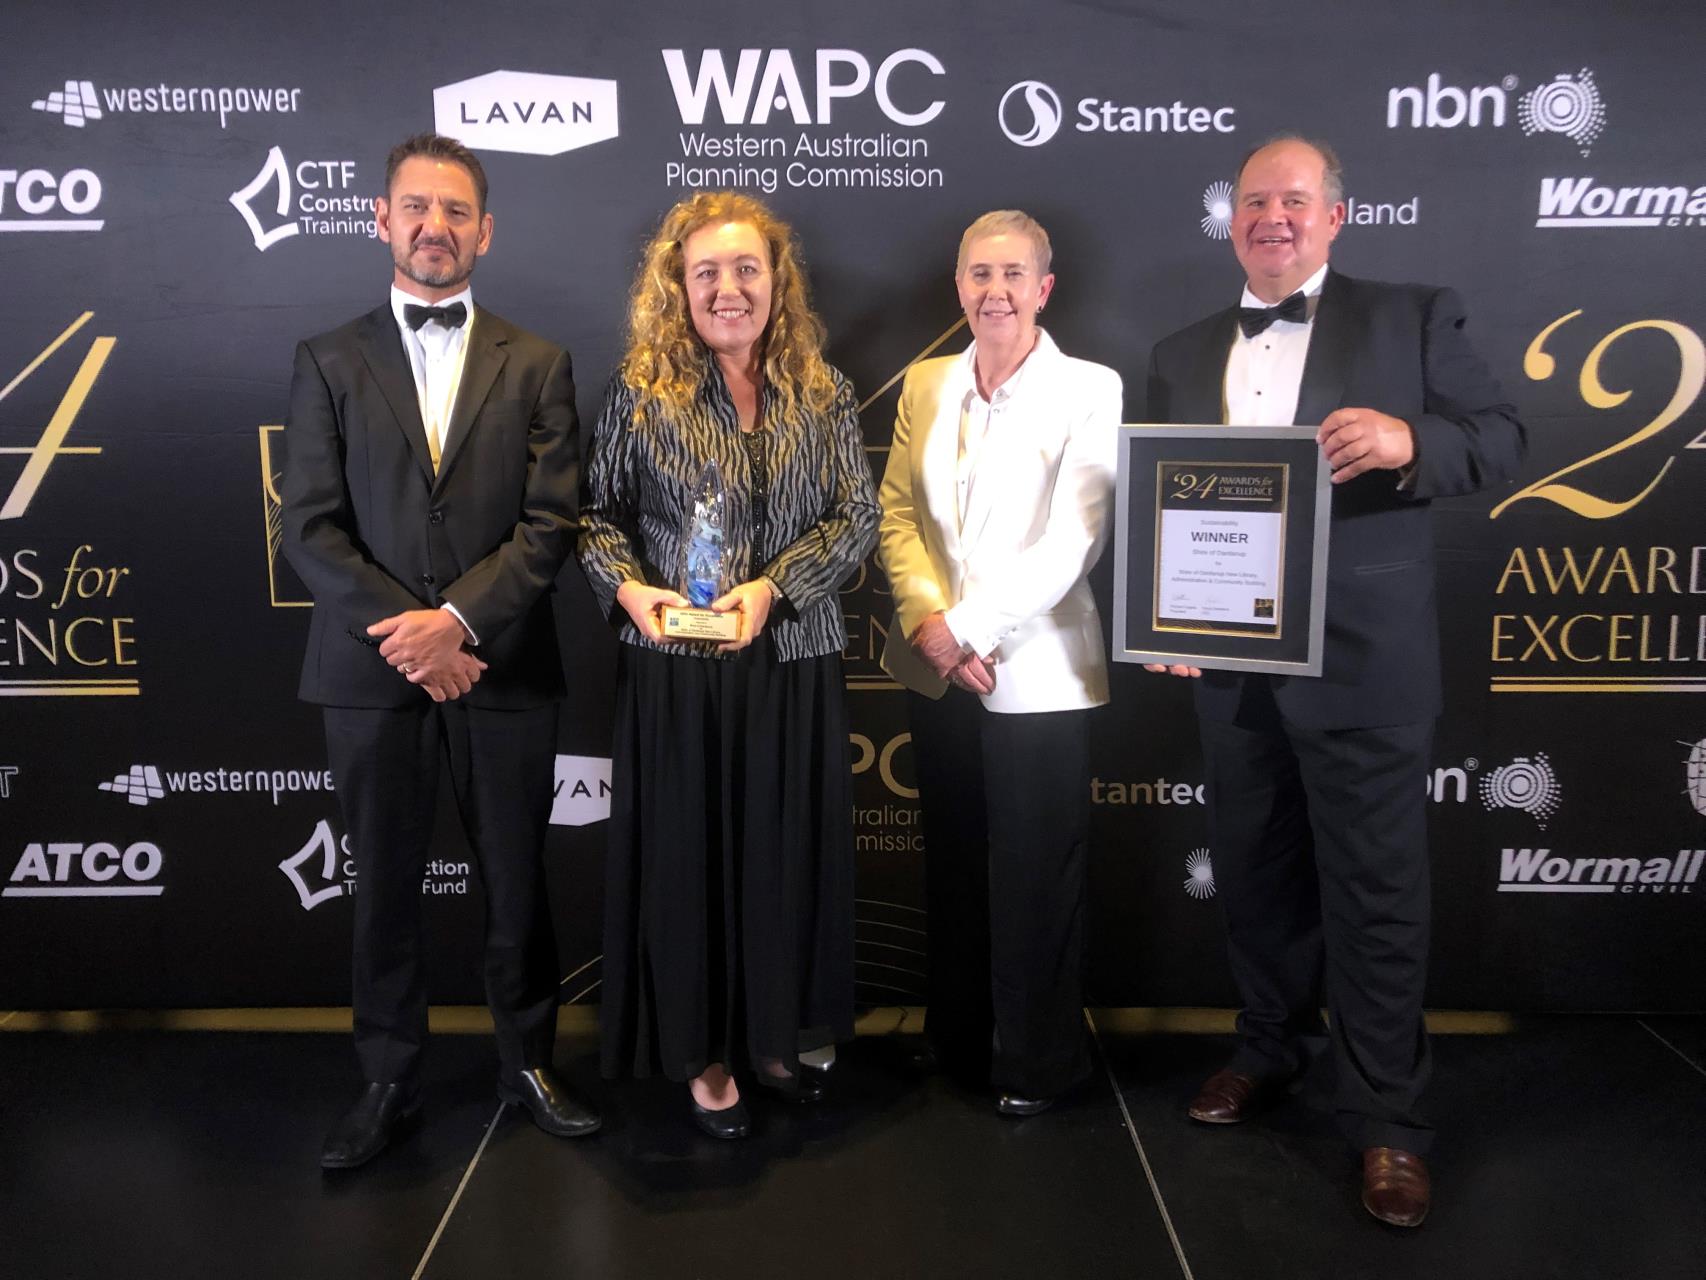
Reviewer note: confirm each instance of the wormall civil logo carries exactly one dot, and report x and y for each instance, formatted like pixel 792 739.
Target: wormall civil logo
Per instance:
pixel 139 785
pixel 1527 783
pixel 1029 113
pixel 582 792
pixel 1569 105
pixel 526 112
pixel 65 869
pixel 1217 211
pixel 1542 871
pixel 1582 202
pixel 312 197
pixel 1199 874
pixel 1696 773
pixel 75 105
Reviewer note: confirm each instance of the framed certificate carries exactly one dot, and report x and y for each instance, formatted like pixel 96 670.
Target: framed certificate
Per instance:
pixel 1220 548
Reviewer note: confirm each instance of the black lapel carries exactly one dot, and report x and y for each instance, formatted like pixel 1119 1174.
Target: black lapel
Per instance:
pixel 486 357
pixel 1324 370
pixel 382 348
pixel 1206 399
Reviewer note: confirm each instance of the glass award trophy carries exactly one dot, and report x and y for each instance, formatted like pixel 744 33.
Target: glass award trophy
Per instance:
pixel 701 574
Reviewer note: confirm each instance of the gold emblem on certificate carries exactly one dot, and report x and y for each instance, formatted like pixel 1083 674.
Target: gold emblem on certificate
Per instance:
pixel 701 575
pixel 1220 547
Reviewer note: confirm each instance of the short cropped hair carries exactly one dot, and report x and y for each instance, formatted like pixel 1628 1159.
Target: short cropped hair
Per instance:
pixel 435 146
pixel 1332 172
pixel 1008 222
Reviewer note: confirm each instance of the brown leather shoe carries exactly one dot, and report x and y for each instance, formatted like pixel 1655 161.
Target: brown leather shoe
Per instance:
pixel 1395 1186
pixel 1228 1097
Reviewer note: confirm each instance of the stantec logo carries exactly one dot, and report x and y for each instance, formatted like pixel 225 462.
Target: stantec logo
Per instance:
pixel 62 869
pixel 1539 871
pixel 1581 202
pixel 1199 874
pixel 749 95
pixel 1029 113
pixel 143 783
pixel 80 102
pixel 326 205
pixel 1527 783
pixel 40 193
pixel 536 115
pixel 1567 104
pixel 1695 765
pixel 1158 791
pixel 582 794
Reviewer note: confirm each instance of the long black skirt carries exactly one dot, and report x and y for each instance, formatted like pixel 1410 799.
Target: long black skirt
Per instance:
pixel 728 922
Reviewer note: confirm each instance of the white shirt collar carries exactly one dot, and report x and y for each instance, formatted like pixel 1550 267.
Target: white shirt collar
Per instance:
pixel 1311 288
pixel 400 299
pixel 1043 352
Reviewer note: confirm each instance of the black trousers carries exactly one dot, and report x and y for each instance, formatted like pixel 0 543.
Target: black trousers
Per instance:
pixel 1320 853
pixel 386 766
pixel 1006 828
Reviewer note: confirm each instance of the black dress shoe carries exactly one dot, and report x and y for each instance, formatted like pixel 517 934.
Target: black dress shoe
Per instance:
pixel 1011 1104
pixel 552 1107
pixel 380 1114
pixel 729 1123
pixel 807 1086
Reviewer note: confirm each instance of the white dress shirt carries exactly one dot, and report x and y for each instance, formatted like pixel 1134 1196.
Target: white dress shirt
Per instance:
pixel 437 353
pixel 1264 373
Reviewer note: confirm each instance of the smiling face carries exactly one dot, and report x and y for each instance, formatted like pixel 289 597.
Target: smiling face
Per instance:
pixel 1001 290
pixel 727 275
pixel 1282 222
pixel 432 220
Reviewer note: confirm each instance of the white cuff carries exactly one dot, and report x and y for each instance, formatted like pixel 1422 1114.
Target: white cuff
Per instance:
pixel 457 614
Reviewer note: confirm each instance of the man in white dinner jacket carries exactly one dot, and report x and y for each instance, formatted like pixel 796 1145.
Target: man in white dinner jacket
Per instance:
pixel 995 505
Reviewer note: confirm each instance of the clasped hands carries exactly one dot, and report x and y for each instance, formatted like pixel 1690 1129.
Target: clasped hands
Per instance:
pixel 644 605
pixel 934 642
pixel 426 648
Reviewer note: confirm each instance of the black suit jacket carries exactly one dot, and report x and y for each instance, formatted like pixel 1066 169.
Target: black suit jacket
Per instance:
pixel 1402 350
pixel 373 532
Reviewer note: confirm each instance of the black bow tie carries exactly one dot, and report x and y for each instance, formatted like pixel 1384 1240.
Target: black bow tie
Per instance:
pixel 450 317
pixel 1253 320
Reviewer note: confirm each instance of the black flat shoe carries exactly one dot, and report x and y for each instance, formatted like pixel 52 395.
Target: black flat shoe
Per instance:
pixel 728 1124
pixel 1011 1104
pixel 806 1087
pixel 382 1112
pixel 553 1108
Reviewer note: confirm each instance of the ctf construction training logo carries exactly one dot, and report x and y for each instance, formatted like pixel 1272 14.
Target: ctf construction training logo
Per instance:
pixel 1030 113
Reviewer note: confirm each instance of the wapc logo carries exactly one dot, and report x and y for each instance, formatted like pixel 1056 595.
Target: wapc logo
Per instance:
pixel 750 96
pixel 1034 118
pixel 522 111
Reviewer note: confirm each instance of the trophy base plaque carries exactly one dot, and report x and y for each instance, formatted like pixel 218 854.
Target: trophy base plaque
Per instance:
pixel 700 624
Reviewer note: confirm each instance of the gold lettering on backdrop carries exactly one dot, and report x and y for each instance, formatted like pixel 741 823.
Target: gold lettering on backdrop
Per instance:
pixel 1691 375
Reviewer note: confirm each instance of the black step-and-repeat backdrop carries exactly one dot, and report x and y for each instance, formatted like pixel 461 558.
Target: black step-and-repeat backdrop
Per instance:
pixel 183 195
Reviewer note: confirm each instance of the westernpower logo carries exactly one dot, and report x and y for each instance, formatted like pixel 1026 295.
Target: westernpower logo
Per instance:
pixel 1540 871
pixel 62 869
pixel 1582 202
pixel 80 102
pixel 522 111
pixel 143 783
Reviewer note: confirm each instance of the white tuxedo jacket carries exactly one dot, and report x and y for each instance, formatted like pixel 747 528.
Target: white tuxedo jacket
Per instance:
pixel 1010 575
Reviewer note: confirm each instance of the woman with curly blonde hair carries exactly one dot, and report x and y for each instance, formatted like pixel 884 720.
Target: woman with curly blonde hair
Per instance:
pixel 728 936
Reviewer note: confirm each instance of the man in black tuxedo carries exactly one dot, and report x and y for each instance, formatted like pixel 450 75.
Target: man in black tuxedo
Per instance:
pixel 1316 785
pixel 429 501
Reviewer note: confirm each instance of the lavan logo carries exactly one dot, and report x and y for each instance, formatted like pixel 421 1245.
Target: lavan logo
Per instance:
pixel 766 80
pixel 523 111
pixel 582 793
pixel 1541 871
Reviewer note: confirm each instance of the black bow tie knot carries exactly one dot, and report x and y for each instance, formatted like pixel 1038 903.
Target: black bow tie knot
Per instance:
pixel 450 317
pixel 1253 320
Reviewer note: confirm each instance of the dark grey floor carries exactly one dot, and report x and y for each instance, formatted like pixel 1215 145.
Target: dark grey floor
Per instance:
pixel 1569 1148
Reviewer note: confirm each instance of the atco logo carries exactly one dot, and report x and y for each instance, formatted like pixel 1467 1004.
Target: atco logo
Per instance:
pixel 40 193
pixel 537 115
pixel 1527 783
pixel 321 869
pixel 140 785
pixel 1581 202
pixel 322 197
pixel 58 869
pixel 750 95
pixel 1541 871
pixel 78 102
pixel 582 794
pixel 1034 117
pixel 1566 104
pixel 1199 874
pixel 1695 764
